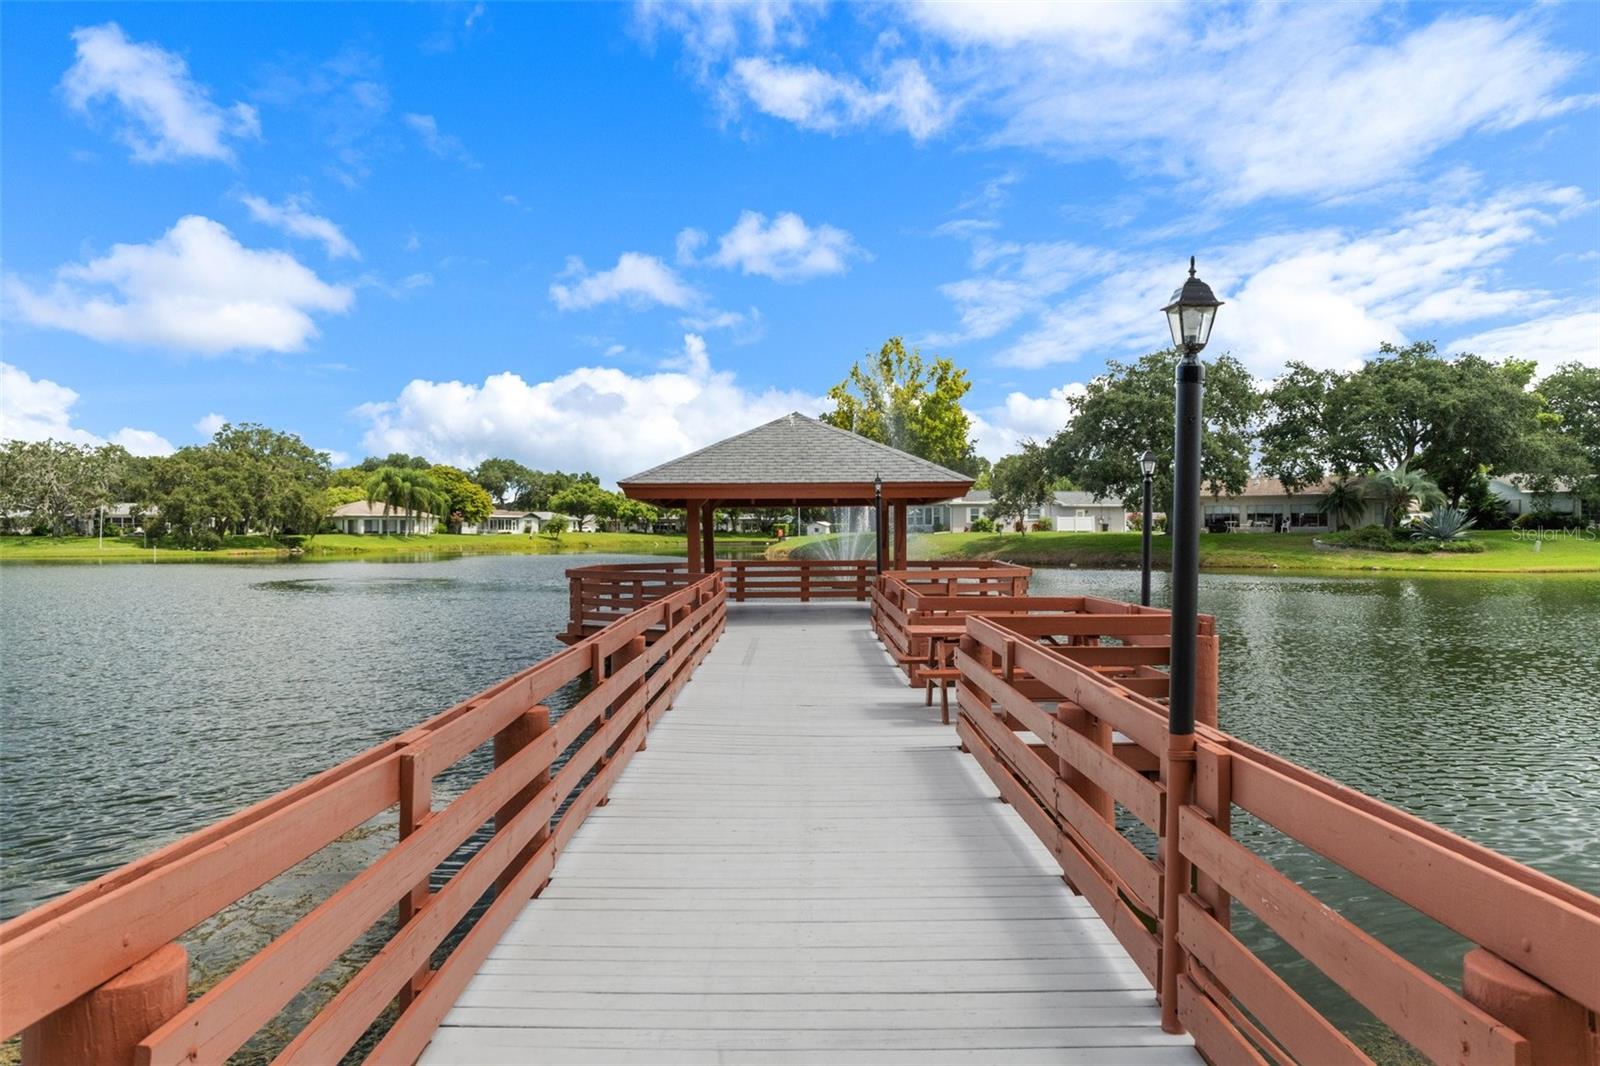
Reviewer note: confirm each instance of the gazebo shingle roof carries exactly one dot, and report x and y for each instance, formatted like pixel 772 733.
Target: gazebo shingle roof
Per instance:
pixel 800 456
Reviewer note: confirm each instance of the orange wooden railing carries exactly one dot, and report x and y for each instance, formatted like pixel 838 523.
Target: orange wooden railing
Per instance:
pixel 1044 721
pixel 600 594
pixel 797 579
pixel 54 959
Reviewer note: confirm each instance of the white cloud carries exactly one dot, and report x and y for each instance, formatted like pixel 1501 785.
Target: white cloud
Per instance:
pixel 1328 296
pixel 1240 102
pixel 40 409
pixel 440 144
pixel 734 320
pixel 689 243
pixel 1566 337
pixel 208 425
pixel 817 100
pixel 1307 100
pixel 637 280
pixel 292 218
pixel 194 289
pixel 1097 29
pixel 715 29
pixel 1000 430
pixel 595 418
pixel 162 113
pixel 785 249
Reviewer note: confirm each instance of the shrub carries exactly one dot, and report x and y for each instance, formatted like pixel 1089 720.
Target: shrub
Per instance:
pixel 1040 526
pixel 1551 520
pixel 982 524
pixel 1445 523
pixel 1376 537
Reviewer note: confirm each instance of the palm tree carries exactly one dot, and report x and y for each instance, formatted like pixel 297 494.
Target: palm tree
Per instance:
pixel 410 491
pixel 1343 503
pixel 1400 489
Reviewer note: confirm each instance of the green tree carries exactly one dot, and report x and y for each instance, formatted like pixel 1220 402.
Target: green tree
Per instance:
pixel 1130 408
pixel 275 479
pixel 1343 503
pixel 1020 483
pixel 1571 399
pixel 399 460
pixel 584 500
pixel 505 479
pixel 1401 489
pixel 465 500
pixel 897 398
pixel 408 490
pixel 1294 430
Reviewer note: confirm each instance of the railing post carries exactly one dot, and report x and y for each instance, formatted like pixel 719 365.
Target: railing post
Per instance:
pixel 1097 732
pixel 1206 678
pixel 522 731
pixel 105 1026
pixel 1555 1027
pixel 1177 772
pixel 416 805
pixel 1213 793
pixel 805 582
pixel 575 604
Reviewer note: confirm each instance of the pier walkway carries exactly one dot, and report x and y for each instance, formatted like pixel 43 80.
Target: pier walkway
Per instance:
pixel 803 866
pixel 736 832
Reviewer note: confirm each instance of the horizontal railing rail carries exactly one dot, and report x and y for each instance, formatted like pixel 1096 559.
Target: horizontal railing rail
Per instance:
pixel 600 594
pixel 1070 732
pixel 797 579
pixel 547 776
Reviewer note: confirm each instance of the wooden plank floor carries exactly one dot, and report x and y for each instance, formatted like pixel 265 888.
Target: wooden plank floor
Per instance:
pixel 802 867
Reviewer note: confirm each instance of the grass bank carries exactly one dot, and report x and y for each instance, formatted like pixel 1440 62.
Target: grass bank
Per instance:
pixel 338 546
pixel 1504 552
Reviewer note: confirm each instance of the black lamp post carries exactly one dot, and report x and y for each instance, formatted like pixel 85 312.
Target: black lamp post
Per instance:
pixel 1147 466
pixel 1190 314
pixel 877 517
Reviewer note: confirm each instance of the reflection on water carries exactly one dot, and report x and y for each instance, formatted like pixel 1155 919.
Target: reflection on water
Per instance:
pixel 140 703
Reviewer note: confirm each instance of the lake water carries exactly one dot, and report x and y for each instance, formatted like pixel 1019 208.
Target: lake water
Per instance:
pixel 142 702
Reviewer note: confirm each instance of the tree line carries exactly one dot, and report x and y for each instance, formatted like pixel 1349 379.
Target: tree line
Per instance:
pixel 1410 414
pixel 1407 426
pixel 250 478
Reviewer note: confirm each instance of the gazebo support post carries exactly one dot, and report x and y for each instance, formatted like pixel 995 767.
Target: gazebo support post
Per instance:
pixel 708 529
pixel 880 529
pixel 899 536
pixel 691 528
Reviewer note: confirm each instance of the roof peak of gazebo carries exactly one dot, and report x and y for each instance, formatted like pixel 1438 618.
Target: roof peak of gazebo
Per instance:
pixel 796 459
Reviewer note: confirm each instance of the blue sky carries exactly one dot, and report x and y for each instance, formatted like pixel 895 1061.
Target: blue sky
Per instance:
pixel 595 236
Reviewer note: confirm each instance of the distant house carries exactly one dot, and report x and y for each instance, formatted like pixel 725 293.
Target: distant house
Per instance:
pixel 118 517
pixel 818 528
pixel 1065 511
pixel 1513 488
pixel 501 520
pixel 362 517
pixel 1266 506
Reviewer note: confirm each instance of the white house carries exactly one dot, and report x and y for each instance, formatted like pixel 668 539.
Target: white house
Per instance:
pixel 1513 488
pixel 1265 506
pixel 501 520
pixel 364 517
pixel 1065 511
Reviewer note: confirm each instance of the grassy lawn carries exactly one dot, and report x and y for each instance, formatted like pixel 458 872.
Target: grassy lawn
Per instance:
pixel 1505 551
pixel 340 546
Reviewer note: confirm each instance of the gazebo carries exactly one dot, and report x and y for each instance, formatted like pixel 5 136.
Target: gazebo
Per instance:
pixel 793 461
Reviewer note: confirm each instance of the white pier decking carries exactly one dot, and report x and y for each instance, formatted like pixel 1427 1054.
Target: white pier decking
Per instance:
pixel 802 867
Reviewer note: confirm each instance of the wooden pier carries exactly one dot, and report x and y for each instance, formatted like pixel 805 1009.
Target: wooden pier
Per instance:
pixel 803 867
pixel 790 858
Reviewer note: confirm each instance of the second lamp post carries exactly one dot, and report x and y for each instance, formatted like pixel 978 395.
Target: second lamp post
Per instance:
pixel 1147 466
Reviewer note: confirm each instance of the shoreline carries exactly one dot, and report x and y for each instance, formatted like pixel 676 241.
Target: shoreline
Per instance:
pixel 1506 553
